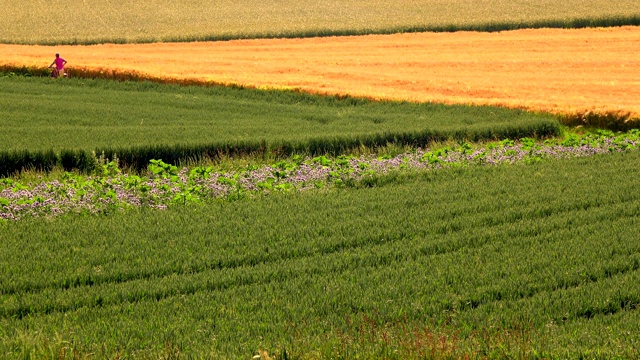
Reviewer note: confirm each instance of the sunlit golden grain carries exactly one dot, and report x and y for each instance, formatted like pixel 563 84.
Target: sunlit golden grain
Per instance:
pixel 583 72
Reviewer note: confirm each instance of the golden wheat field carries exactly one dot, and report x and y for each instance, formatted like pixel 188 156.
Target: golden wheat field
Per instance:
pixel 561 71
pixel 39 21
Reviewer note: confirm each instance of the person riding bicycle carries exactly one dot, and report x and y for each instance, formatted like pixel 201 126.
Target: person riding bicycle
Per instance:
pixel 59 66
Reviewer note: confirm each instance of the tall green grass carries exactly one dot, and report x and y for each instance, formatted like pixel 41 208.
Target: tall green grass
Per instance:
pixel 46 122
pixel 524 261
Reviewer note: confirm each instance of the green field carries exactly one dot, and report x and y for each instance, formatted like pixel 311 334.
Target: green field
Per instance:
pixel 142 119
pixel 92 21
pixel 525 260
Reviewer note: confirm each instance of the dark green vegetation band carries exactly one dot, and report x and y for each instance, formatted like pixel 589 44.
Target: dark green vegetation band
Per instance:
pixel 578 23
pixel 138 157
pixel 49 123
pixel 511 261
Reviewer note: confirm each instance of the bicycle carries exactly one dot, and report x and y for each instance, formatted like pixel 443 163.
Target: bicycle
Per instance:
pixel 55 73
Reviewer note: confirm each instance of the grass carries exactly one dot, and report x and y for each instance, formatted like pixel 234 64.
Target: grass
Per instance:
pixel 93 21
pixel 48 123
pixel 527 261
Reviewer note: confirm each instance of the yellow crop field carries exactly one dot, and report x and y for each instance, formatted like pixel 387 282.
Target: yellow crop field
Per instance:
pixel 561 71
pixel 82 21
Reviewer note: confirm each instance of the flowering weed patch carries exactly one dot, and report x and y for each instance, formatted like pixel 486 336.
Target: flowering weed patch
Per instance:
pixel 164 184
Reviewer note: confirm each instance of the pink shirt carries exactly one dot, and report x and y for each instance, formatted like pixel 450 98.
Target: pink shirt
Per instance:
pixel 60 63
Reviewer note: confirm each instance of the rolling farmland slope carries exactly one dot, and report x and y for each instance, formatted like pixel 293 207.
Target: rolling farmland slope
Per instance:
pixel 521 260
pixel 535 260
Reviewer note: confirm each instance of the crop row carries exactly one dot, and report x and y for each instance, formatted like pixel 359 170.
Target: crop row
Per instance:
pixel 152 281
pixel 545 246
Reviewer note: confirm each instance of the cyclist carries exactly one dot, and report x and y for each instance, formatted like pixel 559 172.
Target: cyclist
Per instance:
pixel 59 66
